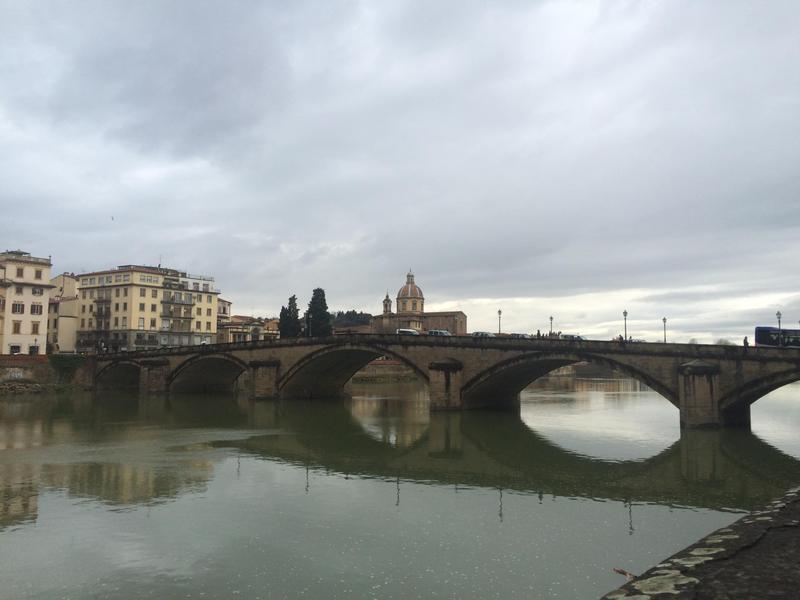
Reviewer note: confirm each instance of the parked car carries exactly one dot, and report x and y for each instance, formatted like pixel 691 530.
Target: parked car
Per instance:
pixel 407 332
pixel 571 337
pixel 519 336
pixel 482 334
pixel 439 332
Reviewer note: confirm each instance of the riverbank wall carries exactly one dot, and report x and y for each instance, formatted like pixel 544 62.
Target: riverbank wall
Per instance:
pixel 384 371
pixel 758 556
pixel 32 374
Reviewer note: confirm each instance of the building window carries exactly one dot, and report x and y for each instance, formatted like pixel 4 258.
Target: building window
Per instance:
pixel 83 294
pixel 141 306
pixel 141 322
pixel 199 311
pixel 116 292
pixel 17 308
pixel 35 328
pixel 37 274
pixel 208 325
pixel 90 323
pixel 37 291
pixel 152 323
pixel 197 325
pixel 124 306
pixel 195 286
pixel 91 294
pixel 154 293
pixel 413 305
pixel 116 321
pixel 209 299
pixel 124 322
pixel 404 305
pixel 142 292
pixel 125 292
pixel 153 308
pixel 14 349
pixel 36 309
pixel 116 306
pixel 208 312
pixel 18 290
pixel 91 308
pixel 20 272
pixel 83 308
pixel 83 323
pixel 16 327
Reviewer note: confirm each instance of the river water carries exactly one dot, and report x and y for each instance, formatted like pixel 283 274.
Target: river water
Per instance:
pixel 114 496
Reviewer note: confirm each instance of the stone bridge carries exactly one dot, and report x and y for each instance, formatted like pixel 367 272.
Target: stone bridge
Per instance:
pixel 710 385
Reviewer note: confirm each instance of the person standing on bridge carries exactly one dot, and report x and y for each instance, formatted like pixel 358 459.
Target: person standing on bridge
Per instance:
pixel 745 343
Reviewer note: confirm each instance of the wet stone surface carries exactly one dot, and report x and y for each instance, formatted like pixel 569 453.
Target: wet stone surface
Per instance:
pixel 758 556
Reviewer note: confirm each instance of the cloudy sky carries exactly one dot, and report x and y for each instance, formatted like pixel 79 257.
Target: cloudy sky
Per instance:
pixel 565 158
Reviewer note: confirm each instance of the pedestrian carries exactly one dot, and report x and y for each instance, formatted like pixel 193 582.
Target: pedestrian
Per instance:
pixel 746 343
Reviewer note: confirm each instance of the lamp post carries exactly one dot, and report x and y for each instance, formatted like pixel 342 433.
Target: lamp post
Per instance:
pixel 551 324
pixel 625 319
pixel 664 320
pixel 499 315
pixel 779 315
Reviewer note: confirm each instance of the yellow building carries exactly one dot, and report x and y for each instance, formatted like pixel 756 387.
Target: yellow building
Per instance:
pixel 62 314
pixel 24 295
pixel 136 307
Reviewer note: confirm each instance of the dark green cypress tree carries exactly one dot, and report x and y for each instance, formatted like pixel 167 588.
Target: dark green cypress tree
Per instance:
pixel 318 317
pixel 289 322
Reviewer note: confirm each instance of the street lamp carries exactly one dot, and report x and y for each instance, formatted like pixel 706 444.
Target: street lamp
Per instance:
pixel 625 317
pixel 499 315
pixel 779 315
pixel 664 320
pixel 551 324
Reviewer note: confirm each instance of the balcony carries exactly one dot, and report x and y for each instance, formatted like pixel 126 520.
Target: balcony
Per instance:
pixel 176 301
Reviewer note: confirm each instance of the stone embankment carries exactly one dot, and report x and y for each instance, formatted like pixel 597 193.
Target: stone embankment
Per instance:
pixel 758 556
pixel 25 374
pixel 384 371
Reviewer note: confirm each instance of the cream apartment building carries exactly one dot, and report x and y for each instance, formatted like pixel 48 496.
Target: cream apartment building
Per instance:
pixel 135 307
pixel 24 295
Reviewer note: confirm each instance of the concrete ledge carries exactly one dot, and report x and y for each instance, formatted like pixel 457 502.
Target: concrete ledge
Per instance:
pixel 758 556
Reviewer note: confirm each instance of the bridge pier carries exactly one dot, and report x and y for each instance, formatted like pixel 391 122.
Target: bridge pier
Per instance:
pixel 153 375
pixel 264 379
pixel 444 381
pixel 698 398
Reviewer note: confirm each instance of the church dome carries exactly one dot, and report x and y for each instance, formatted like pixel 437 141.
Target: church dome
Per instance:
pixel 410 290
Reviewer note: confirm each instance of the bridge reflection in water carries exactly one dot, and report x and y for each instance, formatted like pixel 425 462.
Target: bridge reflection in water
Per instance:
pixel 391 439
pixel 373 436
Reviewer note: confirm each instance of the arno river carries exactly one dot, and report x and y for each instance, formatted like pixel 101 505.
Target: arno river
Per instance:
pixel 205 497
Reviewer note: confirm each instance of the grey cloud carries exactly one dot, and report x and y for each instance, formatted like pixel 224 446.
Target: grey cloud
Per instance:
pixel 506 150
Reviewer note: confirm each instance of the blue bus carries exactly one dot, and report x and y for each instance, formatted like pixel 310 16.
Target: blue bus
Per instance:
pixel 772 336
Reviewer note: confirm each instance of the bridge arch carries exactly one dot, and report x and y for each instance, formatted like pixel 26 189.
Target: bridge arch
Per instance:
pixel 323 373
pixel 119 374
pixel 216 372
pixel 502 383
pixel 735 406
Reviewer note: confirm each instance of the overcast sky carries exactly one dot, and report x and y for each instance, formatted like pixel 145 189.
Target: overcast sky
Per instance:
pixel 565 158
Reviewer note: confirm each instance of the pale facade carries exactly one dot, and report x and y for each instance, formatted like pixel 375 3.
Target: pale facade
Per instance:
pixel 62 314
pixel 24 296
pixel 248 329
pixel 136 307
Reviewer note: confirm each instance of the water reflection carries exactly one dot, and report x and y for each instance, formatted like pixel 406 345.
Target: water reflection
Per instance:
pixel 169 497
pixel 398 415
pixel 612 419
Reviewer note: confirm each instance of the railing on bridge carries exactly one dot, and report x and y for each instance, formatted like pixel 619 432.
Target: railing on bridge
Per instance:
pixel 710 350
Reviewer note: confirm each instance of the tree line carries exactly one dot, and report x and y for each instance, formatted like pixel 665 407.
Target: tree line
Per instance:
pixel 316 321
